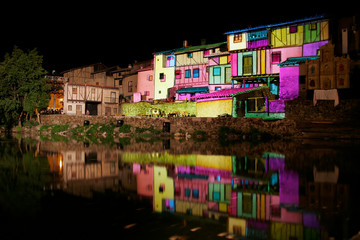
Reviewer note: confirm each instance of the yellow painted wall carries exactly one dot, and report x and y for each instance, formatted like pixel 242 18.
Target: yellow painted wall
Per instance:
pixel 282 37
pixel 196 207
pixel 324 30
pixel 214 161
pixel 161 87
pixel 237 222
pixel 236 45
pixel 214 108
pixel 161 178
pixel 223 60
pixel 261 64
pixel 197 58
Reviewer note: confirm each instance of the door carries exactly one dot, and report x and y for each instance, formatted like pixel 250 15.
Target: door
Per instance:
pixel 91 108
pixel 78 109
pixel 107 111
pixel 247 65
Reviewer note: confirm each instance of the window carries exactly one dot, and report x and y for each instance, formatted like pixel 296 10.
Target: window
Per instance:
pixel 70 108
pixel 187 192
pixel 217 71
pixel 162 77
pixel 74 90
pixel 149 77
pixel 248 60
pixel 237 38
pixel 276 57
pixel 217 88
pixel 130 88
pixel 170 61
pixel 196 73
pixel 216 196
pixel 113 97
pixel 177 191
pixel 147 93
pixel 275 211
pixel 312 26
pixel 206 52
pixel 162 188
pixel 195 193
pixel 293 29
pixel 188 73
pixel 189 55
pixel 178 74
pixel 247 203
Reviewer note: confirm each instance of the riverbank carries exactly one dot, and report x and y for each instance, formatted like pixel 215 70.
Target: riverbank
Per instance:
pixel 179 127
pixel 226 128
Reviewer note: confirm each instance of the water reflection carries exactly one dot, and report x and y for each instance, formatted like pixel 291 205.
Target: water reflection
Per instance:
pixel 265 193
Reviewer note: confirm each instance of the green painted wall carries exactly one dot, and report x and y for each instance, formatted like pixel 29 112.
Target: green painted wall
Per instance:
pixel 144 108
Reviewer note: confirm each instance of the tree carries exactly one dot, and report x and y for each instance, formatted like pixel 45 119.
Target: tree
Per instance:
pixel 23 88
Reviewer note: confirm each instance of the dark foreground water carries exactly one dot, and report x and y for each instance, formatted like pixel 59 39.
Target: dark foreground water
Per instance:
pixel 172 189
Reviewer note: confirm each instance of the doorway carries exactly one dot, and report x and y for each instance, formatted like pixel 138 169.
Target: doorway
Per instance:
pixel 92 107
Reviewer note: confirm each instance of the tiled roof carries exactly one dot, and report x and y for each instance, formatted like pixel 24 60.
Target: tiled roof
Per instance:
pixel 277 24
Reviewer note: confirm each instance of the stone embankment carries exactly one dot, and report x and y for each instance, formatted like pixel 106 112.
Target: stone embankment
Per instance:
pixel 211 127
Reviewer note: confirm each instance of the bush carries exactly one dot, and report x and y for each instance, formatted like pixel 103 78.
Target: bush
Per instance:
pixel 125 128
pixel 30 123
pixel 59 128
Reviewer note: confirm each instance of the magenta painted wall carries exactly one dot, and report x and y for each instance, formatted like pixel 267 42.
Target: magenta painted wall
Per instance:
pixel 310 49
pixel 289 187
pixel 183 82
pixel 257 44
pixel 277 106
pixel 289 83
pixel 144 84
pixel 288 52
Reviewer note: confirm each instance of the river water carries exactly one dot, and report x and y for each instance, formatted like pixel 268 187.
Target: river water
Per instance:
pixel 60 188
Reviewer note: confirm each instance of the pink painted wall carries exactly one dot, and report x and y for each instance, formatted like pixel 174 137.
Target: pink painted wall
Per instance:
pixel 234 60
pixel 288 52
pixel 183 82
pixel 310 49
pixel 286 216
pixel 289 83
pixel 182 183
pixel 145 181
pixel 144 84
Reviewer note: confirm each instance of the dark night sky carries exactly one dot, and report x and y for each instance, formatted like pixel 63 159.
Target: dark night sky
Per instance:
pixel 73 34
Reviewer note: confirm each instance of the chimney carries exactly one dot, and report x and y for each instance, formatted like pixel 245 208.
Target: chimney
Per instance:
pixel 185 43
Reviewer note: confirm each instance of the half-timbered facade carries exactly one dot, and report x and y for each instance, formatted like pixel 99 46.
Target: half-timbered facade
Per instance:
pixel 82 99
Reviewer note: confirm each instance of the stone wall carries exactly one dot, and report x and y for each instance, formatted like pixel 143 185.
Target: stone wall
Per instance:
pixel 182 124
pixel 304 110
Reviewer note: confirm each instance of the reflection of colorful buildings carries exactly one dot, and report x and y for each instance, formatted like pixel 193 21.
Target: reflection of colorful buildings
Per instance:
pixel 259 196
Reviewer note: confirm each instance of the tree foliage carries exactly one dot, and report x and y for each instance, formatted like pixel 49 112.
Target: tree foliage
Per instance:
pixel 23 88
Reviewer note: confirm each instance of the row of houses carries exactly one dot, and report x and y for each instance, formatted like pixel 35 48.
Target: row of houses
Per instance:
pixel 275 63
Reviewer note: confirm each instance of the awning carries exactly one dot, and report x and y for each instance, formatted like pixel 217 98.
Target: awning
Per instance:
pixel 194 90
pixel 248 90
pixel 296 61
